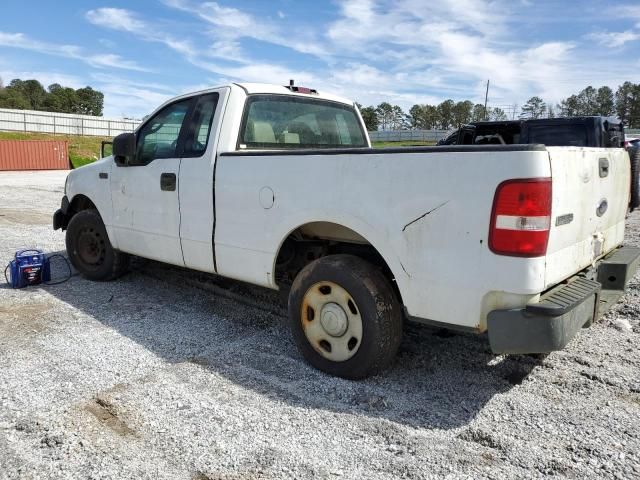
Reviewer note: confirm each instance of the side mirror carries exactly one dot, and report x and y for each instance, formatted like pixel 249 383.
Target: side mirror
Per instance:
pixel 124 148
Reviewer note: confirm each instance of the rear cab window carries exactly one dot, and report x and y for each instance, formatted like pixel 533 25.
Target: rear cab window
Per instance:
pixel 569 135
pixel 291 122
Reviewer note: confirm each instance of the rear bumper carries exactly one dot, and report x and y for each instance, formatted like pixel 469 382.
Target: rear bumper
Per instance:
pixel 61 216
pixel 551 323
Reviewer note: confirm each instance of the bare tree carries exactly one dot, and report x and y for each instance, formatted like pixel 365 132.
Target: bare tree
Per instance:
pixel 534 108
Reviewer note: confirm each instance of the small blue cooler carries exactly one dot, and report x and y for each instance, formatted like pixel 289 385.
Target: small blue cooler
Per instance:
pixel 30 267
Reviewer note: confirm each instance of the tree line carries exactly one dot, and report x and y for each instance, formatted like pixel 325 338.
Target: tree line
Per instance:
pixel 31 95
pixel 444 116
pixel 624 103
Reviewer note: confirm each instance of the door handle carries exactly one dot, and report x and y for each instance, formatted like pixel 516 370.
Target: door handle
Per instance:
pixel 603 164
pixel 168 182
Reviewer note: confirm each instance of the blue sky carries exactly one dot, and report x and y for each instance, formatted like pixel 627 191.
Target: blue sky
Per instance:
pixel 139 53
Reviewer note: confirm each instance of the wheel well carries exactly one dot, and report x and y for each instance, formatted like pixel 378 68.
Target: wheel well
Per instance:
pixel 80 202
pixel 318 239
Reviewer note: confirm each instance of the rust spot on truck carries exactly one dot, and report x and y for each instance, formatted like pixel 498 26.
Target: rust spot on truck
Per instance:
pixel 424 215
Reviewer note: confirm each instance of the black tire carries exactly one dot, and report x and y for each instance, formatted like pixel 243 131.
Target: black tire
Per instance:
pixel 634 157
pixel 379 310
pixel 90 250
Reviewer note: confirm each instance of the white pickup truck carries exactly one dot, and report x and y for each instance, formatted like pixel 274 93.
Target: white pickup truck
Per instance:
pixel 279 187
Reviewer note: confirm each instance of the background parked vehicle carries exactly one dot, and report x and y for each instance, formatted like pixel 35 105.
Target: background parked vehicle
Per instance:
pixel 598 132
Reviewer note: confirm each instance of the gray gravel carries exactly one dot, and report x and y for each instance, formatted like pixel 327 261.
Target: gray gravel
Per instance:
pixel 168 374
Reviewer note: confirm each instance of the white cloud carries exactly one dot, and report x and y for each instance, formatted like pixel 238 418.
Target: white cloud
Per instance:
pixel 615 39
pixel 105 42
pixel 233 24
pixel 102 77
pixel 126 21
pixel 22 41
pixel 115 18
pixel 131 98
pixel 123 100
pixel 227 17
pixel 401 51
pixel 625 11
pixel 452 47
pixel 225 46
pixel 257 72
pixel 45 78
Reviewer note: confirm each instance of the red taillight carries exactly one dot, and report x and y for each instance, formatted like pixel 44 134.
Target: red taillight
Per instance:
pixel 521 217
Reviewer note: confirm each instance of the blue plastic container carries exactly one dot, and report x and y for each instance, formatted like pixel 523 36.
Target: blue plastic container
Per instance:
pixel 29 267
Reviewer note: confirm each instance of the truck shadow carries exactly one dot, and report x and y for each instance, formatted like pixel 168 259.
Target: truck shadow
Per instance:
pixel 439 379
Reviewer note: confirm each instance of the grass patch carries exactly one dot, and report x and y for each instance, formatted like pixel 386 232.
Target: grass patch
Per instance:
pixel 82 149
pixel 403 143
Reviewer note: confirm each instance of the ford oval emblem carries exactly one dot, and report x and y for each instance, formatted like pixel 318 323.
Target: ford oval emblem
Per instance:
pixel 602 207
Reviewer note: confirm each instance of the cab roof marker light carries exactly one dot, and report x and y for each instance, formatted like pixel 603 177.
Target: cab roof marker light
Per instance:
pixel 294 88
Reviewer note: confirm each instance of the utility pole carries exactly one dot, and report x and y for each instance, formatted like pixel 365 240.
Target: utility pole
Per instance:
pixel 486 97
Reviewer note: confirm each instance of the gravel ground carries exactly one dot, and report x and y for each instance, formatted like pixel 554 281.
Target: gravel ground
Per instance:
pixel 165 374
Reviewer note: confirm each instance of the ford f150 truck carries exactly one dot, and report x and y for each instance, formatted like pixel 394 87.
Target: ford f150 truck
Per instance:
pixel 279 187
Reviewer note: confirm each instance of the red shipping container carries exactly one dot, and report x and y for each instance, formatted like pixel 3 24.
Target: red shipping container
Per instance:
pixel 34 155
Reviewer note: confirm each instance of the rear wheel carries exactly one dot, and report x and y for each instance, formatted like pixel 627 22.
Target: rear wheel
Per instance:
pixel 89 249
pixel 345 317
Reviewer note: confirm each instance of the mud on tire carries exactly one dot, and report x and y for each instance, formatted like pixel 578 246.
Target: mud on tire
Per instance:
pixel 339 288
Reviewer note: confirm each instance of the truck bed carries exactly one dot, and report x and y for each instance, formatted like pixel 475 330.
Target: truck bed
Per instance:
pixel 426 210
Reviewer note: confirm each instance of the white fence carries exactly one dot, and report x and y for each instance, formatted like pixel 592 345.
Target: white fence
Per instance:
pixel 428 135
pixel 71 124
pixel 404 135
pixel 65 123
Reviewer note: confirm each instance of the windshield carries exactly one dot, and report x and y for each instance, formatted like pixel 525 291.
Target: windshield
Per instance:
pixel 285 121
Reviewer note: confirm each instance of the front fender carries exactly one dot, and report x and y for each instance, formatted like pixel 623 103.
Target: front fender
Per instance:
pixel 93 182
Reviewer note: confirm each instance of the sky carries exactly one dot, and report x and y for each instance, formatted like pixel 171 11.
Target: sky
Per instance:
pixel 140 53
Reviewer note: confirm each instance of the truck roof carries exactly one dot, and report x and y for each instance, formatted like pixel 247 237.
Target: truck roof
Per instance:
pixel 268 88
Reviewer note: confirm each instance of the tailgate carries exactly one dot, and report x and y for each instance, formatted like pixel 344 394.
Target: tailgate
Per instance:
pixel 590 188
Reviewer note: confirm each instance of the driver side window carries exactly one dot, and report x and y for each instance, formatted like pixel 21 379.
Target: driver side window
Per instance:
pixel 158 138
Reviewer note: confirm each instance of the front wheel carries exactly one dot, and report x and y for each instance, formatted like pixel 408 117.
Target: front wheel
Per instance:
pixel 90 250
pixel 345 317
